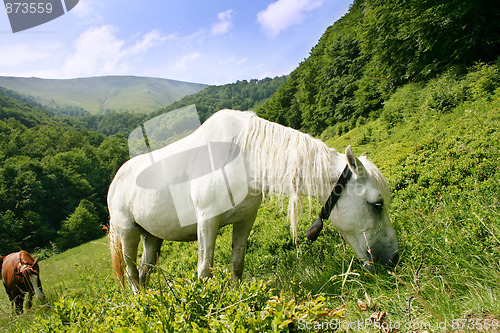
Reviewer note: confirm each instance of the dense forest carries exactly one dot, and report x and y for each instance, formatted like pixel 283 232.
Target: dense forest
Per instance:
pixel 375 48
pixel 242 95
pixel 53 179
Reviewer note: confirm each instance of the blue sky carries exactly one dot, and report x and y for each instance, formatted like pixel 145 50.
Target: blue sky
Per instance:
pixel 212 42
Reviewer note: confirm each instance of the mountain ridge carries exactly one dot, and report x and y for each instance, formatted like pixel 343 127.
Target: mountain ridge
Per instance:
pixel 103 94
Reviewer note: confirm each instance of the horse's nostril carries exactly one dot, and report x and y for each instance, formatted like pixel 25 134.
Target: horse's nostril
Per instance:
pixel 368 265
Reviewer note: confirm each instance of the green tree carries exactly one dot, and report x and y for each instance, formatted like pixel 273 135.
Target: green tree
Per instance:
pixel 414 40
pixel 47 169
pixel 82 226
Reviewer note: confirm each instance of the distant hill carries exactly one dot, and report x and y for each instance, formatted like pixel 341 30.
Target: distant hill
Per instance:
pixel 241 95
pixel 99 95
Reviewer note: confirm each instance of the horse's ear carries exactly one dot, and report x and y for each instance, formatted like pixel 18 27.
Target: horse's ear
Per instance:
pixel 355 164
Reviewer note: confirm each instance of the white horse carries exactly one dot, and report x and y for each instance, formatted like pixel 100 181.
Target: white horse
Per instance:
pixel 169 195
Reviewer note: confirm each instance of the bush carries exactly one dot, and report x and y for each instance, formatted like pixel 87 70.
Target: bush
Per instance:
pixel 441 95
pixel 188 305
pixel 82 226
pixel 483 81
pixel 401 103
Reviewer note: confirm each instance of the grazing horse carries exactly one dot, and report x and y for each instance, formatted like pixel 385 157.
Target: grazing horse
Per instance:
pixel 219 174
pixel 20 275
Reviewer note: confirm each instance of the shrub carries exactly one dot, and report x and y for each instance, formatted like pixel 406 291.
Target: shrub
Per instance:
pixel 440 95
pixel 188 305
pixel 401 104
pixel 82 226
pixel 483 81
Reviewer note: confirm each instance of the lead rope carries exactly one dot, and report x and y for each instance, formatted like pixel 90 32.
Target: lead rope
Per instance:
pixel 314 230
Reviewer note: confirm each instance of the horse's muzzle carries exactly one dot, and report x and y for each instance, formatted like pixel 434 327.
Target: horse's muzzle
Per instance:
pixel 369 265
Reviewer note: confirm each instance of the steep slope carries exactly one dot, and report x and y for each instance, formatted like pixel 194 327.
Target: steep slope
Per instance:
pixel 99 95
pixel 375 48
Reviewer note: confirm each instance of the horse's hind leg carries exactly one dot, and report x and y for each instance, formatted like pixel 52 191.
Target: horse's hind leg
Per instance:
pixel 151 249
pixel 130 238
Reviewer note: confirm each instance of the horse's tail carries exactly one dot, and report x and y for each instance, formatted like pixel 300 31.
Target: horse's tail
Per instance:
pixel 115 246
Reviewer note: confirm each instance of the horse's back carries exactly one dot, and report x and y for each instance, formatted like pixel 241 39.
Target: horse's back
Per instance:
pixel 136 197
pixel 10 262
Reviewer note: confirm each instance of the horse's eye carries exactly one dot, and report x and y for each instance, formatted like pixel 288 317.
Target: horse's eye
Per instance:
pixel 377 206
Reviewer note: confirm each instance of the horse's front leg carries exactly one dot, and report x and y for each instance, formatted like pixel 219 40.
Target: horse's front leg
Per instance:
pixel 17 303
pixel 241 231
pixel 207 233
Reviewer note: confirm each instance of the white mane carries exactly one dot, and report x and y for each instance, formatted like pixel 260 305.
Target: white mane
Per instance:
pixel 286 161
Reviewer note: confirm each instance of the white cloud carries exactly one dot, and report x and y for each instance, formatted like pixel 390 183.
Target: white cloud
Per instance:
pixel 88 12
pixel 234 60
pixel 150 40
pixel 84 9
pixel 98 51
pixel 186 60
pixel 21 53
pixel 282 14
pixel 224 24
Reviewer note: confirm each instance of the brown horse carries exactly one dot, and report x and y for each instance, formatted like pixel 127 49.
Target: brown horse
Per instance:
pixel 21 274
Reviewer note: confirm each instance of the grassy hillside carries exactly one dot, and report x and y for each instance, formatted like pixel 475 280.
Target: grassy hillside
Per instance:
pixel 442 163
pixel 99 95
pixel 242 95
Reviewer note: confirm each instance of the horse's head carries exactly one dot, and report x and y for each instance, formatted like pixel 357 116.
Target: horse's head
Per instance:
pixel 361 213
pixel 29 270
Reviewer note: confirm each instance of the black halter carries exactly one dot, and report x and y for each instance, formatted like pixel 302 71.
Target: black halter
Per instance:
pixel 313 232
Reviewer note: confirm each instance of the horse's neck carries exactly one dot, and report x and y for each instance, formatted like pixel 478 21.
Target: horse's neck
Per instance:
pixel 299 172
pixel 326 178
